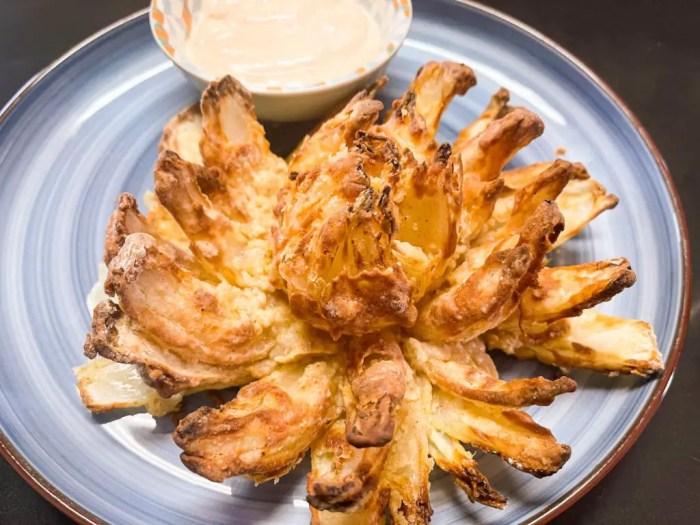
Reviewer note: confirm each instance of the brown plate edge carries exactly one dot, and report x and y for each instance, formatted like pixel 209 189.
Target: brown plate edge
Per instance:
pixel 83 516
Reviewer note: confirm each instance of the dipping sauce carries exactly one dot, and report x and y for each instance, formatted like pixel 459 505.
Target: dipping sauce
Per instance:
pixel 283 42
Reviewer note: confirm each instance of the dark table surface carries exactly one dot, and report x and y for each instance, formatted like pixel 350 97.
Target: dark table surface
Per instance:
pixel 649 53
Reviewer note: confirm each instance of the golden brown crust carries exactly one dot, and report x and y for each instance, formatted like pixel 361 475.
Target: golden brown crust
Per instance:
pixel 376 375
pixel 434 87
pixel 333 243
pixel 371 512
pixel 592 340
pixel 414 118
pixel 127 219
pixel 479 200
pixel 540 234
pixel 511 434
pixel 183 133
pixel 337 132
pixel 233 140
pixel 546 187
pixel 184 313
pixel 569 290
pixel 496 108
pixel 214 238
pixel 115 337
pixel 265 431
pixel 451 457
pixel 582 201
pixel 451 367
pixel 405 481
pixel 518 178
pixel 484 156
pixel 374 226
pixel 429 202
pixel 478 304
pixel 124 220
pixel 343 477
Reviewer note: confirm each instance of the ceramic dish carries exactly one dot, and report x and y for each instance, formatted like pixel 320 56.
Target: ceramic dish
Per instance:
pixel 87 128
pixel 171 22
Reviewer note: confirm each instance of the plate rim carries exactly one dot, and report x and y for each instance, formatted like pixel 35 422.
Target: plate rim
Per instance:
pixel 82 515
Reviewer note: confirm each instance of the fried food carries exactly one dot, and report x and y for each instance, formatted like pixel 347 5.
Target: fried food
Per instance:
pixel 580 201
pixel 593 340
pixel 337 132
pixel 457 368
pixel 404 480
pixel 484 156
pixel 567 291
pixel 183 133
pixel 376 375
pixel 450 456
pixel 414 119
pixel 106 385
pixel 352 292
pixel 117 337
pixel 489 295
pixel 511 434
pixel 265 431
pixel 343 478
pixel 333 244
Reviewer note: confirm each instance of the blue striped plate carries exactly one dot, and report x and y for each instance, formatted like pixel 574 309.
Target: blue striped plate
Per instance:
pixel 87 128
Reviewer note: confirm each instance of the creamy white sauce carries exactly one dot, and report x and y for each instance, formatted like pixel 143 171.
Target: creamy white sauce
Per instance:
pixel 282 42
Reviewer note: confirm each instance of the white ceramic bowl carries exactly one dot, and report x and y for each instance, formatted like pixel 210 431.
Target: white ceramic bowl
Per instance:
pixel 171 22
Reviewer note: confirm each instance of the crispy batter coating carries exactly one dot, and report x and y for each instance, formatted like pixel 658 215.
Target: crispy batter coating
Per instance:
pixel 512 434
pixel 116 337
pixel 333 245
pixel 450 456
pixel 545 187
pixel 540 234
pixel 517 178
pixel 372 512
pixel 414 118
pixel 388 200
pixel 353 292
pixel 497 108
pixel 183 133
pixel 201 323
pixel 214 237
pixel 376 375
pixel 453 367
pixel 593 340
pixel 567 291
pixel 405 477
pixel 489 295
pixel 127 219
pixel 232 138
pixel 238 251
pixel 485 155
pixel 529 209
pixel 479 202
pixel 264 432
pixel 429 202
pixel 242 176
pixel 343 478
pixel 581 200
pixel 181 311
pixel 478 304
pixel 339 131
